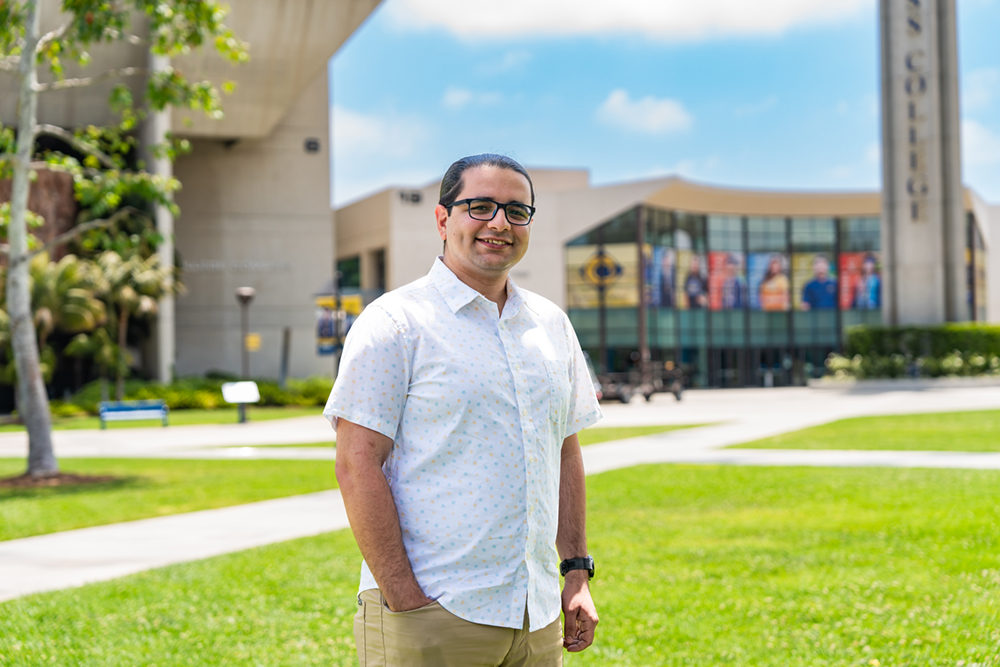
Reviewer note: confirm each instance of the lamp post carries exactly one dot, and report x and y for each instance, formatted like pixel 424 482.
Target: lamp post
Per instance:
pixel 244 295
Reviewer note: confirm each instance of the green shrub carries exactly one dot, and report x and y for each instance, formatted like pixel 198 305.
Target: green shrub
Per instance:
pixel 923 341
pixel 197 393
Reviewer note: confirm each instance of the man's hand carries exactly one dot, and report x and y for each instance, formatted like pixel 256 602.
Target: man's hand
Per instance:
pixel 406 602
pixel 579 610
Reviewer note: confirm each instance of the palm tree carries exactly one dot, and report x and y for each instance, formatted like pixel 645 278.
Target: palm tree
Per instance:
pixel 101 348
pixel 64 296
pixel 135 287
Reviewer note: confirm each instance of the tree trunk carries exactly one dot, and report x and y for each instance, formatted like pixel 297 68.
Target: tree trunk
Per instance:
pixel 122 340
pixel 34 409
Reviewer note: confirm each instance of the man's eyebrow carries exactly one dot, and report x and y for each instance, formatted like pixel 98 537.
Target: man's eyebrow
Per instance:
pixel 513 201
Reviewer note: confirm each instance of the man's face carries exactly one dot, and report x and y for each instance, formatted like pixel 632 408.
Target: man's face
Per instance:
pixel 821 268
pixel 479 250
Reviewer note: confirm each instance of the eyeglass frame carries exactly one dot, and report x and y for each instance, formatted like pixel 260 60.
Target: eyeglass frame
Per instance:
pixel 468 203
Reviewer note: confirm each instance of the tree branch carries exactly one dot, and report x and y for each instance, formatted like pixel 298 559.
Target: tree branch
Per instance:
pixel 50 36
pixel 73 233
pixel 71 139
pixel 89 80
pixel 135 40
pixel 10 63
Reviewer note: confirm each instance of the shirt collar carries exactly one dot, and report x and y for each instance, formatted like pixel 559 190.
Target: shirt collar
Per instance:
pixel 458 295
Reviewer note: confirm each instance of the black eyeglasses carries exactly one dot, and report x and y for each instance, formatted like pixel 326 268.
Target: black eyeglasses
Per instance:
pixel 486 209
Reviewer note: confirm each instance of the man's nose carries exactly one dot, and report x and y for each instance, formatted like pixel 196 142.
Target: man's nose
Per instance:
pixel 500 220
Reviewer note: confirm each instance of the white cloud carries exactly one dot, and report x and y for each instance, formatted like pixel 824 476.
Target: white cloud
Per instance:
pixel 648 115
pixel 512 61
pixel 662 19
pixel 979 88
pixel 457 98
pixel 873 153
pixel 980 145
pixel 373 151
pixel 755 108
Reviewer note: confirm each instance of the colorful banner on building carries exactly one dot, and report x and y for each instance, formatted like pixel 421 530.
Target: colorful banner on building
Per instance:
pixel 327 315
pixel 691 271
pixel 770 287
pixel 727 283
pixel 860 281
pixel 613 268
pixel 660 265
pixel 814 282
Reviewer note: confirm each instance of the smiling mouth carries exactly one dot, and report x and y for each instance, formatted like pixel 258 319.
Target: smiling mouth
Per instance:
pixel 496 243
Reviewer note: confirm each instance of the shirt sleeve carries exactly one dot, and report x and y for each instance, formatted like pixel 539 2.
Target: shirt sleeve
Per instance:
pixel 374 374
pixel 584 409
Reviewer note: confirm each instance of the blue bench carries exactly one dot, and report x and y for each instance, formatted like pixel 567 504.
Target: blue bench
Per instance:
pixel 122 411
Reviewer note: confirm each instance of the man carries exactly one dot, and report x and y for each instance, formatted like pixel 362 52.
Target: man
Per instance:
pixel 734 287
pixel 456 408
pixel 820 293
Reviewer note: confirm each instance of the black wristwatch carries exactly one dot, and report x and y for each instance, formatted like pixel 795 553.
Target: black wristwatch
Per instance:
pixel 585 563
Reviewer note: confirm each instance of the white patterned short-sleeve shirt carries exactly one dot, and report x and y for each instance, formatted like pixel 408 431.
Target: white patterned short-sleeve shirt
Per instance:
pixel 477 405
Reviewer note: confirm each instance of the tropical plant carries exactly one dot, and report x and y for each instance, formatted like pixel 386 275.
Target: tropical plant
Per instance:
pixel 134 288
pixel 103 177
pixel 64 296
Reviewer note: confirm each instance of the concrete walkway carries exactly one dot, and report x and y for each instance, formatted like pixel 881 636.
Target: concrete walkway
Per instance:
pixel 73 558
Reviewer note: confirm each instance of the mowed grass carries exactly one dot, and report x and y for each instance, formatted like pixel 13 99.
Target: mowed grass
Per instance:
pixel 148 488
pixel 180 418
pixel 157 487
pixel 945 431
pixel 594 435
pixel 696 565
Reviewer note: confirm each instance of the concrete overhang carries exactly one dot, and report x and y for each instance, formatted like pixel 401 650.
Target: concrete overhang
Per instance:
pixel 290 44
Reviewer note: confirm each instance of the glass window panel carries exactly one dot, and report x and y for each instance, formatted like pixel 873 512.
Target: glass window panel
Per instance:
pixel 860 234
pixel 767 235
pixel 725 232
pixel 659 227
pixel 813 234
pixel 622 228
pixel 690 232
pixel 350 272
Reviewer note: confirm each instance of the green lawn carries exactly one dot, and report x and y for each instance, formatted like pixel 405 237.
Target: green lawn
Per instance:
pixel 946 431
pixel 592 436
pixel 180 418
pixel 696 565
pixel 152 487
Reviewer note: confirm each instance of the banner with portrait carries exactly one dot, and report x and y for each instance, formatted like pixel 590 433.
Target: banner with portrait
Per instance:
pixel 327 316
pixel 814 282
pixel 691 273
pixel 770 286
pixel 727 283
pixel 660 264
pixel 860 281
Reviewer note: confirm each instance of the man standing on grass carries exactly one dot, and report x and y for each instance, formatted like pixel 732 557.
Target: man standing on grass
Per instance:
pixel 456 408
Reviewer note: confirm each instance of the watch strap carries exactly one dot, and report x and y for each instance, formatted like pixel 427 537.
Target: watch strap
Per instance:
pixel 584 563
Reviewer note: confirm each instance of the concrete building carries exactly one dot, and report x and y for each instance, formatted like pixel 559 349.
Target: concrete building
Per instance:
pixel 255 203
pixel 727 281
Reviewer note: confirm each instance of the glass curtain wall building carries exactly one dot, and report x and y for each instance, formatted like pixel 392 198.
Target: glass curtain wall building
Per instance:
pixel 734 300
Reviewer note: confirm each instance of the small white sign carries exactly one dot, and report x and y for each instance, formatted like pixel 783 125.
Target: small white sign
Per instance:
pixel 240 392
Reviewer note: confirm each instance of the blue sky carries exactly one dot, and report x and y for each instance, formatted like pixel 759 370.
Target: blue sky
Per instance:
pixel 770 94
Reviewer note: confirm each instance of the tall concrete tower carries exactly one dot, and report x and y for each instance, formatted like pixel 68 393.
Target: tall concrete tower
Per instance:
pixel 923 225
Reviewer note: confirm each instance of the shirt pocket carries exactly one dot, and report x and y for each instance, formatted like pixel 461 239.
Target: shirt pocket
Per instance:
pixel 557 375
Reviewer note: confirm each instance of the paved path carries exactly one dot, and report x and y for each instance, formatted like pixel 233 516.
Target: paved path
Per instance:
pixel 73 558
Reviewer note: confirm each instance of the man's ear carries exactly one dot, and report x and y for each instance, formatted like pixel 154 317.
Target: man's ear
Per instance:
pixel 441 215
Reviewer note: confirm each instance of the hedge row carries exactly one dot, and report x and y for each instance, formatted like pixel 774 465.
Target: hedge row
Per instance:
pixel 200 393
pixel 913 342
pixel 945 350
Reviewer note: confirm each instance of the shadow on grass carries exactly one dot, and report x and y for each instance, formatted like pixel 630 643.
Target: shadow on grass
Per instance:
pixel 65 484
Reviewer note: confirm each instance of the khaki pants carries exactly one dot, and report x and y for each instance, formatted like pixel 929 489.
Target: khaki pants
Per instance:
pixel 431 636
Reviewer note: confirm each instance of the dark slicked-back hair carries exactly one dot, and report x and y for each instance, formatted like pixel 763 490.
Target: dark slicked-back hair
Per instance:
pixel 452 183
